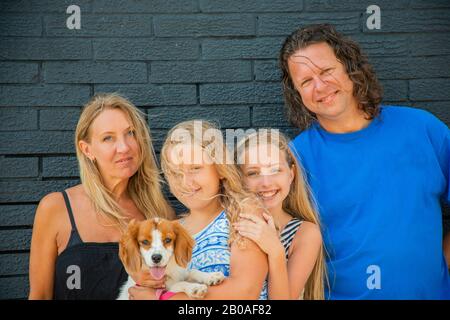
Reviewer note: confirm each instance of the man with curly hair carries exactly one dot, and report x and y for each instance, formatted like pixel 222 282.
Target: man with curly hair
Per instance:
pixel 377 172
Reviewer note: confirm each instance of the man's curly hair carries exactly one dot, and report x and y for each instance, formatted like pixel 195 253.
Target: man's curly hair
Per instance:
pixel 366 88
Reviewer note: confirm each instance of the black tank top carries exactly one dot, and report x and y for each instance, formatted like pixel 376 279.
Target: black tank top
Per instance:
pixel 87 270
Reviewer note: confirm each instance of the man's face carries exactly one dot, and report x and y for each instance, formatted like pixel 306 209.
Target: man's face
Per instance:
pixel 323 83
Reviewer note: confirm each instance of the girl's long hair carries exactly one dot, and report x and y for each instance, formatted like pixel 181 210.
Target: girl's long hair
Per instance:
pixel 299 203
pixel 232 194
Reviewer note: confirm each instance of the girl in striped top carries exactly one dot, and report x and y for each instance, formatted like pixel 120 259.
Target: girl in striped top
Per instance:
pixel 290 235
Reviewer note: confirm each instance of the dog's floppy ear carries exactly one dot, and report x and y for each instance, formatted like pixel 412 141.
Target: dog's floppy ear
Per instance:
pixel 129 249
pixel 184 244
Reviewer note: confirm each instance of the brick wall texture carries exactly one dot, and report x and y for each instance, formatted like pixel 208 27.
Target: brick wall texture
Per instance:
pixel 176 60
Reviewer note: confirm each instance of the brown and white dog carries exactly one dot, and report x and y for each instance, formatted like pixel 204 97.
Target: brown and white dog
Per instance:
pixel 164 248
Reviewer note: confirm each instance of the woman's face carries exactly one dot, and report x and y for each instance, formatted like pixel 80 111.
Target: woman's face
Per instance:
pixel 113 145
pixel 197 182
pixel 268 175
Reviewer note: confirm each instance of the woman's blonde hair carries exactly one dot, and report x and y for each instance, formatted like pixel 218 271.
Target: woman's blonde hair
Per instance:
pixel 232 194
pixel 144 187
pixel 299 203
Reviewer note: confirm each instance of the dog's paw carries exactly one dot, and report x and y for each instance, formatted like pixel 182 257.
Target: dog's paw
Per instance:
pixel 215 278
pixel 197 290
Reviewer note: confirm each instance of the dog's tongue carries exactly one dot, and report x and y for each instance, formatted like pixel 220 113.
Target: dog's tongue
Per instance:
pixel 157 272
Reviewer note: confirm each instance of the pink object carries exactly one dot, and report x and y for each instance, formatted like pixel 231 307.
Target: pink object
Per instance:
pixel 164 295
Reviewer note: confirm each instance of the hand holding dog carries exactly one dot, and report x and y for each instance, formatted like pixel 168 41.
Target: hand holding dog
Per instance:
pixel 145 279
pixel 142 293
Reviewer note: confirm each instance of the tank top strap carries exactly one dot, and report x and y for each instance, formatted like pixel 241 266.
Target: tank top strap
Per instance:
pixel 288 233
pixel 74 235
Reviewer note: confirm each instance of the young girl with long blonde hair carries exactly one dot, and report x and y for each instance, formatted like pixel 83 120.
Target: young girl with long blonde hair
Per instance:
pixel 290 235
pixel 194 161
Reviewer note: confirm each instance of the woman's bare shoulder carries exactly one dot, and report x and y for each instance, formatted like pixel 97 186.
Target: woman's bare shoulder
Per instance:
pixel 51 203
pixel 48 219
pixel 52 207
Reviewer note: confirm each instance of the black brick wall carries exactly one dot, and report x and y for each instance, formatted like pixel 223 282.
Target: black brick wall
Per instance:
pixel 175 59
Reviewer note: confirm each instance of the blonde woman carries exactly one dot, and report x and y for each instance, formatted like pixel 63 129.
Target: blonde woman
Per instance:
pixel 74 247
pixel 290 235
pixel 193 159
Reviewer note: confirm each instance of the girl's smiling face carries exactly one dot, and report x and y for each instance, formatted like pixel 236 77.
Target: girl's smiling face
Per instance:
pixel 269 177
pixel 196 184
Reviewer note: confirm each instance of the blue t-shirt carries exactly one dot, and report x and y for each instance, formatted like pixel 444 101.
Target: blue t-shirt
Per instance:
pixel 378 192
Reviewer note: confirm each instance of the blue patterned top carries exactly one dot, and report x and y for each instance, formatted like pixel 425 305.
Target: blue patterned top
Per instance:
pixel 211 252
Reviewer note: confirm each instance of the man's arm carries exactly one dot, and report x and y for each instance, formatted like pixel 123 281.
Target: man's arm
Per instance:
pixel 447 248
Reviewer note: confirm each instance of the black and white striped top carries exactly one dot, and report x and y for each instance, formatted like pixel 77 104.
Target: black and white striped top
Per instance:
pixel 288 233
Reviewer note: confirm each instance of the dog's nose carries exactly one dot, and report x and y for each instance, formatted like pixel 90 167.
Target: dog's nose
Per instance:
pixel 156 258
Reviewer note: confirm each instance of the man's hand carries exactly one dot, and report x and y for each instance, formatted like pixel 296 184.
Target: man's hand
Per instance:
pixel 447 248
